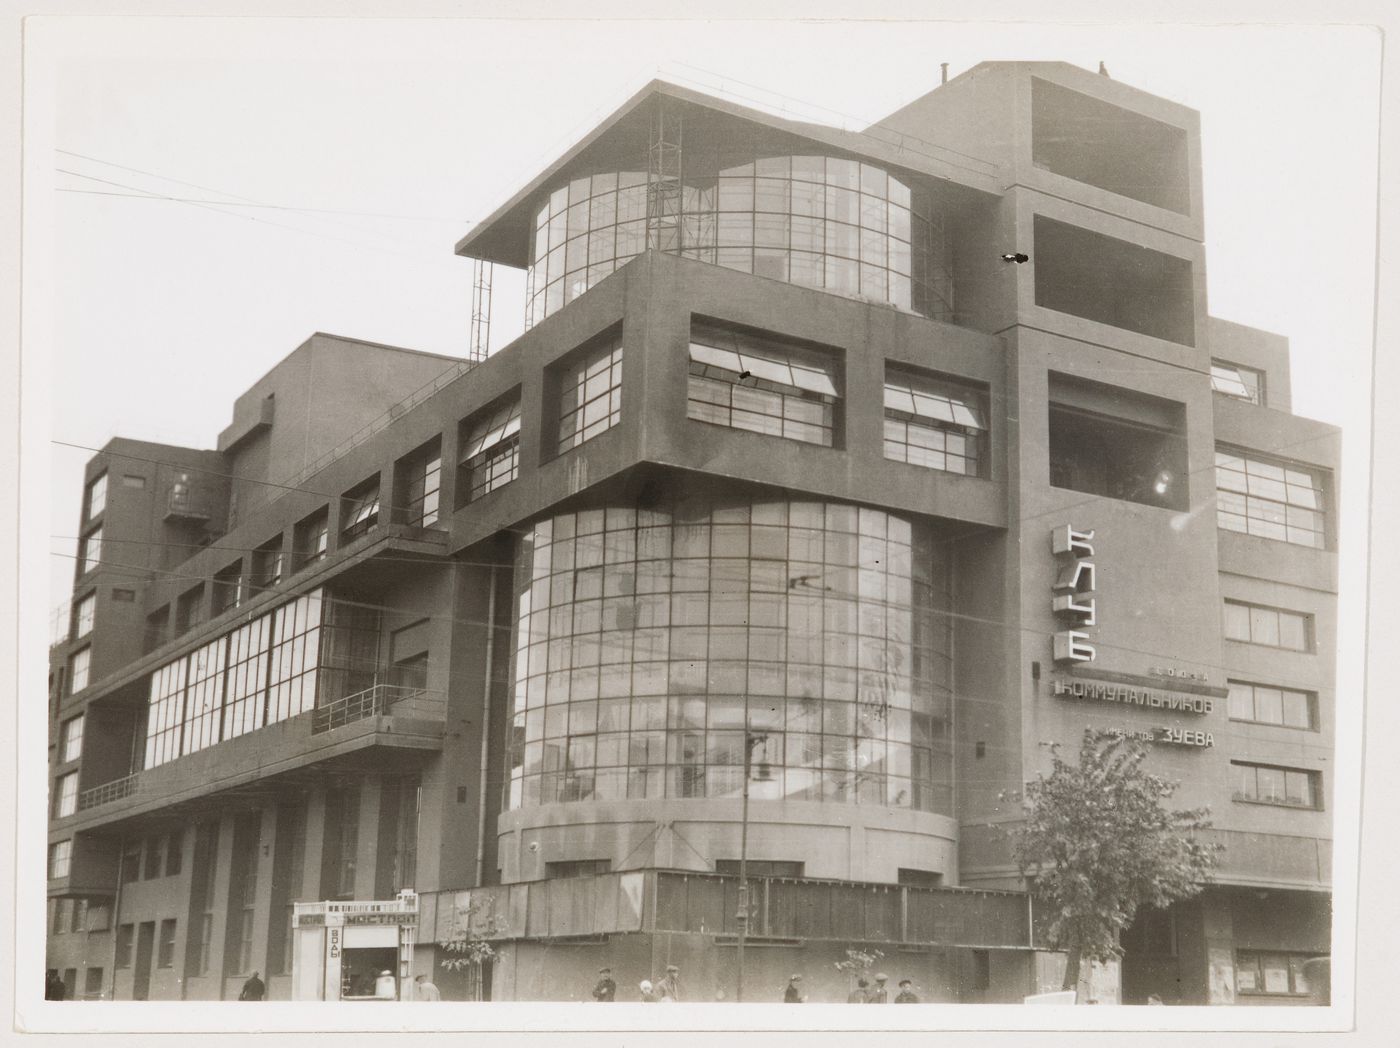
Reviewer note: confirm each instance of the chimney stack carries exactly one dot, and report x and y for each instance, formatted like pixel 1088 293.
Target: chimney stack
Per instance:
pixel 944 67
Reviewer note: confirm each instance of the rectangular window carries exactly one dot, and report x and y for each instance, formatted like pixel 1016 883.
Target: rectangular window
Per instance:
pixel 419 482
pixel 79 915
pixel 1263 704
pixel 97 497
pixel 577 867
pixel 268 565
pixel 174 852
pixel 934 423
pixel 1272 972
pixel 245 698
pixel 590 394
pixel 78 667
pixel 189 609
pixel 1273 500
pixel 760 868
pixel 1268 627
pixel 294 655
pixel 204 696
pixel 157 625
pixel 206 941
pixel 1109 441
pixel 123 596
pixel 90 550
pixel 165 955
pixel 99 917
pixel 1268 784
pixel 72 746
pixel 132 480
pixel 83 614
pixel 359 510
pixel 155 856
pixel 228 587
pixel 762 384
pixel 61 911
pixel 490 450
pixel 92 984
pixel 60 858
pixel 1235 380
pixel 66 795
pixel 131 861
pixel 311 538
pixel 165 715
pixel 125 934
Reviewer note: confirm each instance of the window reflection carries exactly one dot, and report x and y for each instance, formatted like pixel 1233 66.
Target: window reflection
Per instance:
pixel 817 626
pixel 822 222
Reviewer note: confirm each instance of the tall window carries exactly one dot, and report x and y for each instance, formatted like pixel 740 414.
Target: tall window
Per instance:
pixel 359 510
pixel 933 422
pixel 590 394
pixel 60 858
pixel 268 565
pixel 1273 500
pixel 1268 627
pixel 760 383
pixel 1237 381
pixel 72 746
pixel 166 716
pixel 228 587
pixel 124 938
pixel 247 677
pixel 343 837
pixel 312 538
pixel 78 667
pixel 83 613
pixel 422 480
pixel 66 795
pixel 90 550
pixel 204 696
pixel 189 608
pixel 165 955
pixel 1268 784
pixel 294 654
pixel 97 496
pixel 174 852
pixel 1262 704
pixel 243 891
pixel 491 450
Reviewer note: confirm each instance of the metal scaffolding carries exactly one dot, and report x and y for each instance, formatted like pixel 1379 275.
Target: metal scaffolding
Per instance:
pixel 664 193
pixel 481 310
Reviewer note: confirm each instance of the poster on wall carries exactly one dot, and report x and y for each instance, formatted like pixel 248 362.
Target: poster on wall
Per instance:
pixel 1222 975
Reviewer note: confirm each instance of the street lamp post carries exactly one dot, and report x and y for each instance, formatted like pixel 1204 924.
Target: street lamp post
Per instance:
pixel 750 740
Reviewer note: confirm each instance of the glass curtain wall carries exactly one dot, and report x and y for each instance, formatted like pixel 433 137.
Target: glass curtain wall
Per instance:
pixel 825 222
pixel 653 646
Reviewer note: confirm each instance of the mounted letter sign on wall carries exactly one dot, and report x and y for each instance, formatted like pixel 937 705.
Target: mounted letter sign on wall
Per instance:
pixel 1073 600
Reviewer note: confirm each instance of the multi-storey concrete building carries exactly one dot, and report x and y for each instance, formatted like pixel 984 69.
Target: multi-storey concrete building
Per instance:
pixel 836 477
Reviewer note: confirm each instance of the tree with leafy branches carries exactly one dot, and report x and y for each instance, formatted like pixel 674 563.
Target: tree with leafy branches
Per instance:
pixel 470 947
pixel 1099 842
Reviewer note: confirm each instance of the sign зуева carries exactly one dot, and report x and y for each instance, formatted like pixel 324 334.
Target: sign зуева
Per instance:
pixel 1073 601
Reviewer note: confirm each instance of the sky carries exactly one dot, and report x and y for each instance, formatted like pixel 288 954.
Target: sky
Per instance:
pixel 372 145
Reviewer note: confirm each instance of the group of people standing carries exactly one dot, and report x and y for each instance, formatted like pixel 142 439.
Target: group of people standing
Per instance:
pixel 666 990
pixel 864 993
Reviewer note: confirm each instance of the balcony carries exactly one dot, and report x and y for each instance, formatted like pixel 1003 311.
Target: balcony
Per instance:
pixel 379 729
pixel 380 699
pixel 188 503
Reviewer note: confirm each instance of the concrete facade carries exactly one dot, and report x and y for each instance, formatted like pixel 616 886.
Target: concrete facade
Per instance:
pixel 404 758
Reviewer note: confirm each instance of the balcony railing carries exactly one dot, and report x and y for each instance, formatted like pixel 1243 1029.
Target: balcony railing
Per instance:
pixel 109 791
pixel 377 699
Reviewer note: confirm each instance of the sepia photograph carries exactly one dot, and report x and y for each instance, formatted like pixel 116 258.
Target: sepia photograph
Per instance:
pixel 581 508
